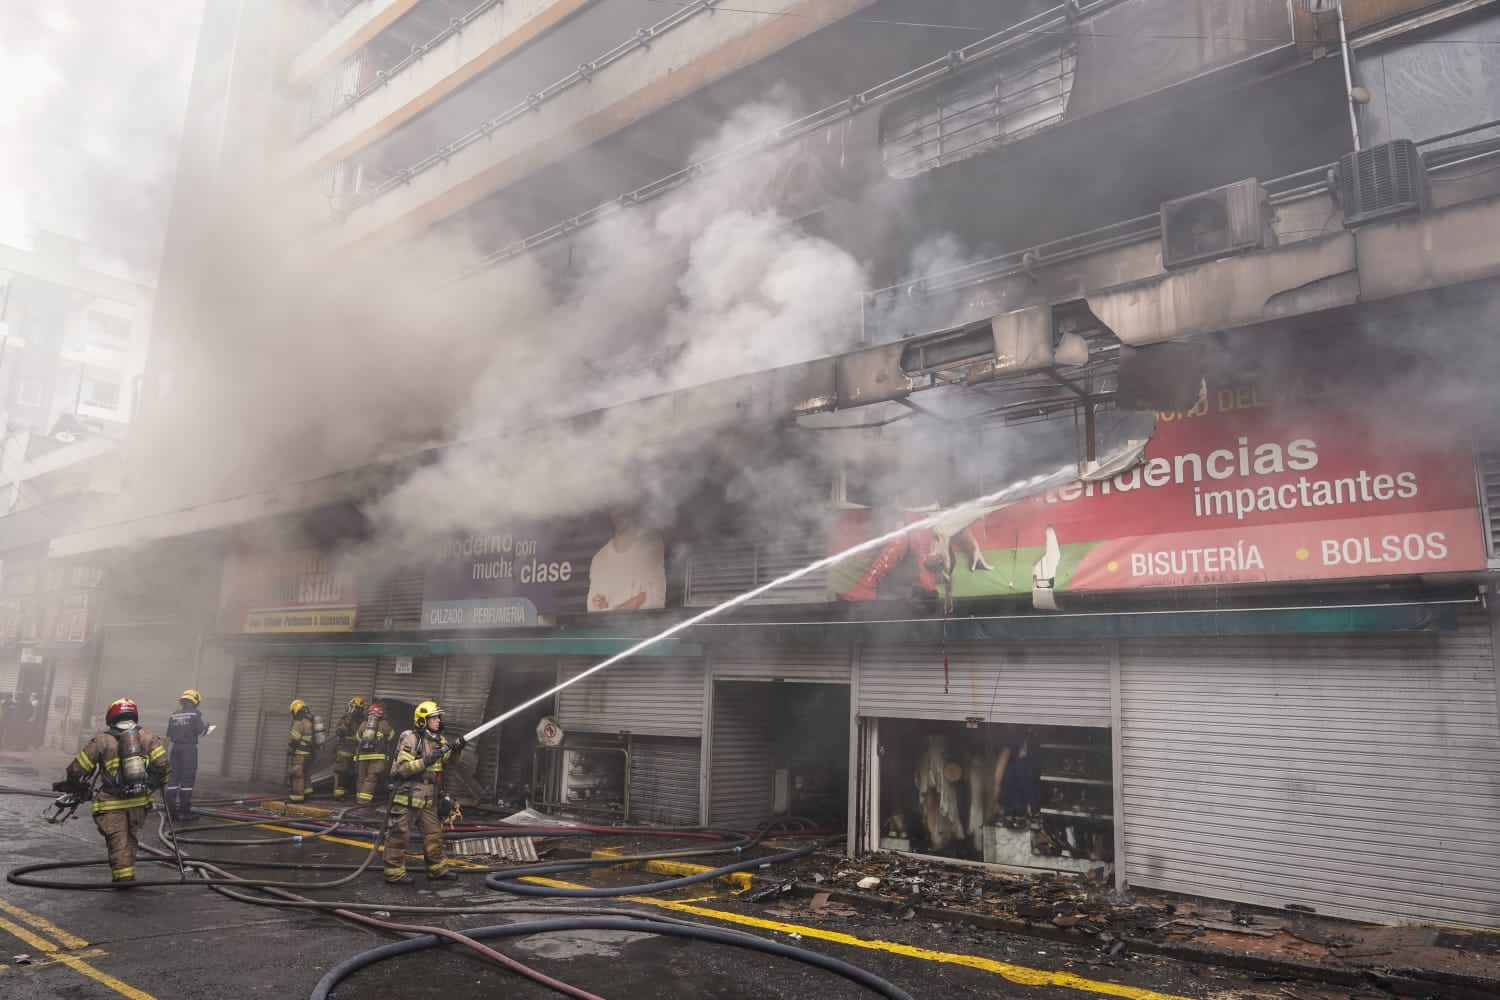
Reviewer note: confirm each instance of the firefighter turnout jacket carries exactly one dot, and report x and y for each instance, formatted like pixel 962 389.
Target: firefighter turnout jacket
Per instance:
pixel 102 754
pixel 301 739
pixel 373 741
pixel 346 733
pixel 420 782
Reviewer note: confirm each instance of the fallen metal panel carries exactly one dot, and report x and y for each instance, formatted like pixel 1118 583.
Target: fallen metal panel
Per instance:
pixel 509 848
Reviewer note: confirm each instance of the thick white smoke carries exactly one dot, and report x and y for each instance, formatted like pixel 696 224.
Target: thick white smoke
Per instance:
pixel 91 105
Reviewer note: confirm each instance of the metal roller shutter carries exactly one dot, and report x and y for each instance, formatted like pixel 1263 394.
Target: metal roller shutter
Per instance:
pixel 1356 775
pixel 466 691
pixel 806 663
pixel 425 681
pixel 717 574
pixel 392 603
pixel 244 720
pixel 1043 683
pixel 279 688
pixel 664 780
pixel 741 776
pixel 315 681
pixel 465 695
pixel 352 676
pixel 10 675
pixel 644 697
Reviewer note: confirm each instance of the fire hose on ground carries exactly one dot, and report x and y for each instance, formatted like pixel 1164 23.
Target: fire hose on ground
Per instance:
pixel 278 893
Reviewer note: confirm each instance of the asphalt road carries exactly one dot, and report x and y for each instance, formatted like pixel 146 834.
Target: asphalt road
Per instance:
pixel 193 943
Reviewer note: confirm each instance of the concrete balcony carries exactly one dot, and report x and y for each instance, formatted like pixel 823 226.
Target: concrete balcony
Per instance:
pixel 690 50
pixel 359 25
pixel 395 97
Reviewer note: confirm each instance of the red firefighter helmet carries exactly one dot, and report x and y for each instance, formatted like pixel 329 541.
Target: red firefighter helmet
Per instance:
pixel 121 710
pixel 377 710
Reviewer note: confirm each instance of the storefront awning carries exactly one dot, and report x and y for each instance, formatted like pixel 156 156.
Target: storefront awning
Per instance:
pixel 542 645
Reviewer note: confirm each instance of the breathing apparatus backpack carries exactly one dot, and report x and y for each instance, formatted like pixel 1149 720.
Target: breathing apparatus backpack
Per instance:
pixel 369 734
pixel 132 777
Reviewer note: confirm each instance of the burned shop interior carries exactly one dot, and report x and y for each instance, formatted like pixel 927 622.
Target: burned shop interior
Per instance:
pixel 1001 793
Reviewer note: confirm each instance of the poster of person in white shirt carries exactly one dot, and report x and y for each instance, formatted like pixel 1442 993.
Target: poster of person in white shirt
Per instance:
pixel 630 572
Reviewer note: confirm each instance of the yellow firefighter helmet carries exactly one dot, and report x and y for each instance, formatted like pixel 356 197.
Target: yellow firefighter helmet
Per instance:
pixel 298 706
pixel 425 711
pixel 192 695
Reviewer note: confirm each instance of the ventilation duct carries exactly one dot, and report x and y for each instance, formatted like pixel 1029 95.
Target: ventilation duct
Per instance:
pixel 1389 179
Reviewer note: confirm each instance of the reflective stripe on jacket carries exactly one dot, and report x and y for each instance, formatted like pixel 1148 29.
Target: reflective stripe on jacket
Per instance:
pixel 420 781
pixel 302 737
pixel 378 748
pixel 101 755
pixel 347 733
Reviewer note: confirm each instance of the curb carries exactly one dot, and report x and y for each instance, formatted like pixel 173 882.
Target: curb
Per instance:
pixel 1403 981
pixel 738 880
pixel 296 809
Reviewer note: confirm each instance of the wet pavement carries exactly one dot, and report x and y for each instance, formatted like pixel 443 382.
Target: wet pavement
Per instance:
pixel 194 943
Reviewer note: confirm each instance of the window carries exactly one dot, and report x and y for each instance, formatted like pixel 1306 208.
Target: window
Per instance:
pixel 102 395
pixel 1003 102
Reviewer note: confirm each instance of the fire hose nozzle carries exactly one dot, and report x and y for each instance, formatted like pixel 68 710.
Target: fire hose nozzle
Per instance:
pixel 63 808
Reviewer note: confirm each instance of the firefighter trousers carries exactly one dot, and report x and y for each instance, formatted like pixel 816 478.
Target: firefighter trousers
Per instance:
pixel 398 836
pixel 296 775
pixel 343 774
pixel 121 829
pixel 184 761
pixel 369 774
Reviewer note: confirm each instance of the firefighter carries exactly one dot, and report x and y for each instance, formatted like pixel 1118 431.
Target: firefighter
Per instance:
pixel 346 733
pixel 416 786
pixel 183 729
pixel 372 758
pixel 129 763
pixel 299 750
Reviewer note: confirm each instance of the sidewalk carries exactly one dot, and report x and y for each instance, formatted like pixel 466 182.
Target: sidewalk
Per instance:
pixel 1412 960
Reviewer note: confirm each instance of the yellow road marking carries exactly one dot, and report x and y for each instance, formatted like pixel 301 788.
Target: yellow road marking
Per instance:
pixel 740 880
pixel 73 962
pixel 1021 974
pixel 67 940
pixel 90 953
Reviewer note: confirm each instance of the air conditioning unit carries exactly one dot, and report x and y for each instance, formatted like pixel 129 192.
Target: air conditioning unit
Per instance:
pixel 1227 220
pixel 1388 179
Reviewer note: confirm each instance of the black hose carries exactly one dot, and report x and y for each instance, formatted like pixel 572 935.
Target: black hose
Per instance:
pixel 508 880
pixel 854 973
